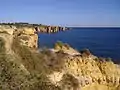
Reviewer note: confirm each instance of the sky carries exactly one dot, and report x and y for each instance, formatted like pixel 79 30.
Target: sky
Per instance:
pixel 62 12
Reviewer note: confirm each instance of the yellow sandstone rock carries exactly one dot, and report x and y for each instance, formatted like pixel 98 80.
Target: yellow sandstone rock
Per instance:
pixel 28 31
pixel 6 29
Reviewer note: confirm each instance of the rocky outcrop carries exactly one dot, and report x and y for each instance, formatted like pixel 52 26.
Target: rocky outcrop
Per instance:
pixel 65 48
pixel 50 29
pixel 86 72
pixel 63 68
pixel 29 40
pixel 6 29
pixel 38 28
pixel 27 35
pixel 28 32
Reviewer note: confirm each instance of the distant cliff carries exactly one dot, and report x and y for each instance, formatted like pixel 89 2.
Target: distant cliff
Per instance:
pixel 37 27
pixel 24 67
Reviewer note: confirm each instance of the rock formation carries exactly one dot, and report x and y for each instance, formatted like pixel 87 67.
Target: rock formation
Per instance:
pixel 39 28
pixel 87 71
pixel 7 29
pixel 23 67
pixel 27 35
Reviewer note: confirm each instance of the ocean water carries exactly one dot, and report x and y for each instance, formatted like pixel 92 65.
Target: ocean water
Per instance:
pixel 103 42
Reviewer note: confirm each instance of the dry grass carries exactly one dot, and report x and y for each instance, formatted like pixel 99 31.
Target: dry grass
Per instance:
pixel 44 62
pixel 11 76
pixel 2 44
pixel 32 61
pixel 69 82
pixel 38 64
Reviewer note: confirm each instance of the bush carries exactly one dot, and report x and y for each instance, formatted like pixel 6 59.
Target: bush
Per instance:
pixel 85 53
pixel 30 60
pixel 59 43
pixel 2 45
pixel 43 62
pixel 109 59
pixel 71 81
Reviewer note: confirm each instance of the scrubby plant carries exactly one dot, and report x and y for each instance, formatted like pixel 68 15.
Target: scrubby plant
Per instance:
pixel 43 83
pixel 69 81
pixel 86 52
pixel 29 59
pixel 67 45
pixel 59 44
pixel 11 77
pixel 24 37
pixel 101 59
pixel 44 61
pixel 38 64
pixel 2 45
pixel 109 59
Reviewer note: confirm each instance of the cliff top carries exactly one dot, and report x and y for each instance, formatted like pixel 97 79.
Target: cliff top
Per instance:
pixel 24 67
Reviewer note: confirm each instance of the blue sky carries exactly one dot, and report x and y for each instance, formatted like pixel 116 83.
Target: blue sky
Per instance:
pixel 62 12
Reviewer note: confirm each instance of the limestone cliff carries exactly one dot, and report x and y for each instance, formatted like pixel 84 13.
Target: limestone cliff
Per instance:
pixel 86 72
pixel 60 68
pixel 26 34
pixel 7 29
pixel 37 27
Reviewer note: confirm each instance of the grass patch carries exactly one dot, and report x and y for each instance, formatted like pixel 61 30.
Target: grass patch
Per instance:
pixel 58 44
pixel 2 45
pixel 30 60
pixel 11 76
pixel 43 62
pixel 69 82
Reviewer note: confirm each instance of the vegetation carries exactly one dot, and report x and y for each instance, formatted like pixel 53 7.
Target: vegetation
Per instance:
pixel 22 24
pixel 2 44
pixel 85 53
pixel 27 69
pixel 69 82
pixel 58 45
pixel 12 77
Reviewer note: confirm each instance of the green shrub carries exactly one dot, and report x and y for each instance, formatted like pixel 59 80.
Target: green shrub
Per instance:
pixel 109 59
pixel 58 44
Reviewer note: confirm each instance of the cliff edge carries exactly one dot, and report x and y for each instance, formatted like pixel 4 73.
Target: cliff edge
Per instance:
pixel 24 67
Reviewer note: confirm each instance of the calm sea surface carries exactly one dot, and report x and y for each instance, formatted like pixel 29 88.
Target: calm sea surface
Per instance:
pixel 103 42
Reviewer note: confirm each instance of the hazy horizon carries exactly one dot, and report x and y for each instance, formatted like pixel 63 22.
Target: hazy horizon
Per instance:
pixel 73 13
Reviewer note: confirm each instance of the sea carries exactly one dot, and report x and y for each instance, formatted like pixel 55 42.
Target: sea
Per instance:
pixel 102 42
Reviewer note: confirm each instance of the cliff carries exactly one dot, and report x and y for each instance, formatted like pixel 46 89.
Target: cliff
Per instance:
pixel 26 35
pixel 86 72
pixel 24 67
pixel 38 28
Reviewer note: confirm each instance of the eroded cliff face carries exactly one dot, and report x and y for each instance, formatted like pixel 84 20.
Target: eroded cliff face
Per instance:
pixel 27 35
pixel 61 68
pixel 38 27
pixel 86 72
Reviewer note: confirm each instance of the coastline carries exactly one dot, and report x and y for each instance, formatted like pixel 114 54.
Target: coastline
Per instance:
pixel 25 67
pixel 102 42
pixel 39 28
